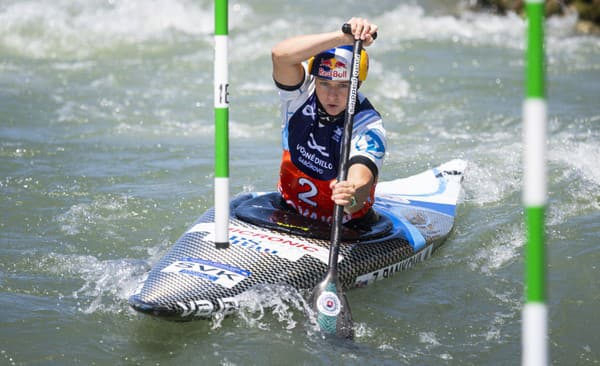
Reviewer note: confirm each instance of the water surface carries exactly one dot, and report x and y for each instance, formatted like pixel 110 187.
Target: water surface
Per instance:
pixel 106 158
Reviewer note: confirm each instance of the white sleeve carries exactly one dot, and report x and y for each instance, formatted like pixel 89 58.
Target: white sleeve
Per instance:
pixel 293 98
pixel 368 138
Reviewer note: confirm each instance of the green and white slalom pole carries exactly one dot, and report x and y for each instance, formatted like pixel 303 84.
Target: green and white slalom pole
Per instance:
pixel 535 313
pixel 221 126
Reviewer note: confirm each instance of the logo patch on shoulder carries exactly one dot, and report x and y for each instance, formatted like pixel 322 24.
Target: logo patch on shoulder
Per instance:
pixel 372 144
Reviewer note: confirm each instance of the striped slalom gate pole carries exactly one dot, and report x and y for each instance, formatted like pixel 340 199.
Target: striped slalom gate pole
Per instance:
pixel 221 126
pixel 535 328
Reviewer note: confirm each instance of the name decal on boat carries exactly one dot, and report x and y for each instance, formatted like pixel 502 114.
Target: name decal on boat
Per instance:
pixel 219 273
pixel 388 271
pixel 206 308
pixel 266 242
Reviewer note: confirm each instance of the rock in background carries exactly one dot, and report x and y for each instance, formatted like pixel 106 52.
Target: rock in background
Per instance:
pixel 588 10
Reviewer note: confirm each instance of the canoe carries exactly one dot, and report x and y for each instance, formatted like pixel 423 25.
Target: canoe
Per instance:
pixel 272 245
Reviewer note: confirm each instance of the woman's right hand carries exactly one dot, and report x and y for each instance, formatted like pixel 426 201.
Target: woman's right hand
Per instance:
pixel 362 29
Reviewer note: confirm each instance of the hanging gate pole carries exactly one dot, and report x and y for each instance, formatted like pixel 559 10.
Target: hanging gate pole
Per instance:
pixel 535 313
pixel 221 126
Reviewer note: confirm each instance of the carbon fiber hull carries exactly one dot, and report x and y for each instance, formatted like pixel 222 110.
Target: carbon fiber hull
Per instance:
pixel 196 280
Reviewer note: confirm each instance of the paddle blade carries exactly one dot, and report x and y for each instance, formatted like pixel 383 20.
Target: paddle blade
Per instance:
pixel 332 309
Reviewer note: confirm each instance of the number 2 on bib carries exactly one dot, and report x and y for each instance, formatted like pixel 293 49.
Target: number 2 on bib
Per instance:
pixel 311 192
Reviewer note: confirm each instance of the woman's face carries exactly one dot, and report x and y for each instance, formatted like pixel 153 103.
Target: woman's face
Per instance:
pixel 333 95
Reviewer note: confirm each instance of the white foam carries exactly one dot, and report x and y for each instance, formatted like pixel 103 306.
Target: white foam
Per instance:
pixel 106 212
pixel 409 22
pixel 582 156
pixel 107 283
pixel 77 28
pixel 259 304
pixel 573 166
pixel 393 83
pixel 492 181
pixel 504 248
pixel 429 338
pixel 362 330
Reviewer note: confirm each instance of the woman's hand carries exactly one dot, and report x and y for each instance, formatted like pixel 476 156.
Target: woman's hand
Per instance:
pixel 344 194
pixel 362 29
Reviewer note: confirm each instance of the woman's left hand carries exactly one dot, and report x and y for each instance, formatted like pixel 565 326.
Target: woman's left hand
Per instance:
pixel 343 194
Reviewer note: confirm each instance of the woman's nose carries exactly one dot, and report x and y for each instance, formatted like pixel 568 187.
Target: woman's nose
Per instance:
pixel 332 93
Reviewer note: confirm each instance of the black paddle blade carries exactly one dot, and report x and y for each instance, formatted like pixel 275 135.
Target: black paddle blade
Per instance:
pixel 332 309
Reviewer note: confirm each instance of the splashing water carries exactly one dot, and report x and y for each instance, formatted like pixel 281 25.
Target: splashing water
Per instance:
pixel 262 305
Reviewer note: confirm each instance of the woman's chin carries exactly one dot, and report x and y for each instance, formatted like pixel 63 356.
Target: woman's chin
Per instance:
pixel 333 111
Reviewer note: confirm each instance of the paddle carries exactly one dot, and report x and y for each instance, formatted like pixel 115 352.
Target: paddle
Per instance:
pixel 327 298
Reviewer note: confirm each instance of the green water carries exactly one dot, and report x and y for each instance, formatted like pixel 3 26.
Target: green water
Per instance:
pixel 106 143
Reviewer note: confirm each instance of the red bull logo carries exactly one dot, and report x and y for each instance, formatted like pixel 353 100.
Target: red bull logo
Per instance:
pixel 333 69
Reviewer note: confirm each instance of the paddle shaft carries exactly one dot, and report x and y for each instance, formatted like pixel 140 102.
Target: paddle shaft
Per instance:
pixel 333 313
pixel 338 213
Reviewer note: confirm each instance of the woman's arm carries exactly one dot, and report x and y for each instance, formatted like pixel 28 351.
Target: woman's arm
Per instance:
pixel 288 55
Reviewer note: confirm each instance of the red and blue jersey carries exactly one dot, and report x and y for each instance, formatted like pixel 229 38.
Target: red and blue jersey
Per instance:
pixel 311 150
